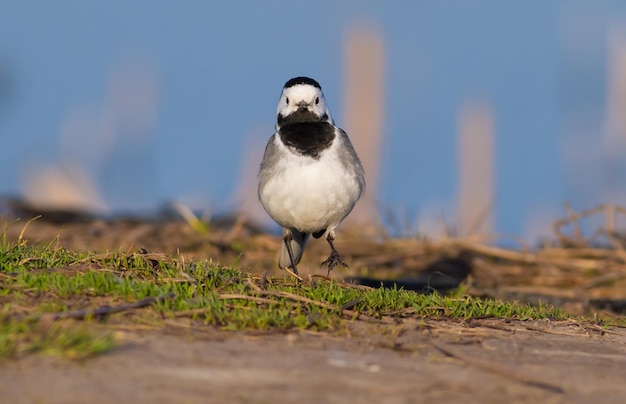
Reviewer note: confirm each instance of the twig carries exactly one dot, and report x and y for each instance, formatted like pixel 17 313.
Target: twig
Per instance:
pixel 252 284
pixel 350 314
pixel 604 279
pixel 298 298
pixel 496 252
pixel 499 370
pixel 320 276
pixel 351 304
pixel 104 311
pixel 12 287
pixel 601 330
pixel 192 312
pixel 20 238
pixel 227 296
pixel 343 283
pixel 574 219
pixel 290 272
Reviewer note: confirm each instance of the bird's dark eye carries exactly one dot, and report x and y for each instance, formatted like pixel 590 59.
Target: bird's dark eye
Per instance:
pixel 287 100
pixel 317 100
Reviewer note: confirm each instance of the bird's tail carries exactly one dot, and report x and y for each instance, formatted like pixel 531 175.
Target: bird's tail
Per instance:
pixel 297 247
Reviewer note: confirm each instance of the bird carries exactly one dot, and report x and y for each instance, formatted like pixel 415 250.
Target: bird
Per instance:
pixel 310 177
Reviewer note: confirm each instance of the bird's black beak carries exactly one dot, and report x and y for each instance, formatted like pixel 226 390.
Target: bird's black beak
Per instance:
pixel 303 105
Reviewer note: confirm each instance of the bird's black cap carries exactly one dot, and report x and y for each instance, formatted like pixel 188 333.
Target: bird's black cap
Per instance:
pixel 302 80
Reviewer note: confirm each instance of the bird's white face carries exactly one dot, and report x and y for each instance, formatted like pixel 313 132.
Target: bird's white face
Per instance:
pixel 303 99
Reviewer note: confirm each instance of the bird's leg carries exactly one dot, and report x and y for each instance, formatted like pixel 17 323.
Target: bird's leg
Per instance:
pixel 287 237
pixel 334 258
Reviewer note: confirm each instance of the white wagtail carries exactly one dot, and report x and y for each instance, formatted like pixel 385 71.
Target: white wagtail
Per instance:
pixel 310 177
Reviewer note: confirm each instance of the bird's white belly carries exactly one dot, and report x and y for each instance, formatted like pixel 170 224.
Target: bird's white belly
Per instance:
pixel 310 195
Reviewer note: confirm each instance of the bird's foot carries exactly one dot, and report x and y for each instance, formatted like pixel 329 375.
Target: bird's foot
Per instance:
pixel 333 260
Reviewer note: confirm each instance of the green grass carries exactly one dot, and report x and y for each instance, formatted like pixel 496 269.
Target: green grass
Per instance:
pixel 45 279
pixel 71 341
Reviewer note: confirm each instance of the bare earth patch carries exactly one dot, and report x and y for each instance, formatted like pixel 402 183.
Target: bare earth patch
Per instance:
pixel 480 361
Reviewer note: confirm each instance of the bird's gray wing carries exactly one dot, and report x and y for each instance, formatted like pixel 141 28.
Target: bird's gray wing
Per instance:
pixel 350 159
pixel 270 158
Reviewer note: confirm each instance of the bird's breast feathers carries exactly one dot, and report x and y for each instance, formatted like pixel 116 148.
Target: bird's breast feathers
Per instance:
pixel 310 193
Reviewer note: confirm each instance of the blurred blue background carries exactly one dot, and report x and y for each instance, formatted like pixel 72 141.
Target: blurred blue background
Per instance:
pixel 185 88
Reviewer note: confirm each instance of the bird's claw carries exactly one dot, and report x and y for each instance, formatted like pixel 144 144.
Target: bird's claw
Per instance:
pixel 333 260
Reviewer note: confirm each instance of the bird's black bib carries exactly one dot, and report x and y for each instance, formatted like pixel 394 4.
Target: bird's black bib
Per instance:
pixel 308 138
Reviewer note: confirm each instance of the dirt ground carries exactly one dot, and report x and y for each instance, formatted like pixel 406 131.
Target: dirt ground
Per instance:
pixel 485 360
